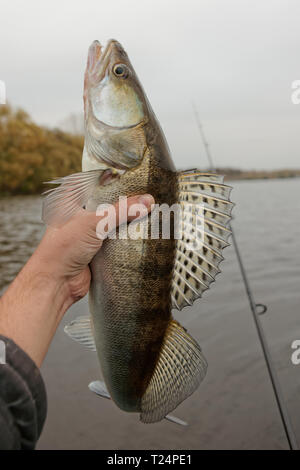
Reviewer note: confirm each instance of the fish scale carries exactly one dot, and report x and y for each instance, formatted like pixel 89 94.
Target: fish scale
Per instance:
pixel 138 321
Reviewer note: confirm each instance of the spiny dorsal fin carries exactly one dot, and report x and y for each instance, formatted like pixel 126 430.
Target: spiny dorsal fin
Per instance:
pixel 81 330
pixel 72 194
pixel 179 370
pixel 206 212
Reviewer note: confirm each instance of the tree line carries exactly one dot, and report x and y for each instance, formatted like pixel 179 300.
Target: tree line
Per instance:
pixel 32 154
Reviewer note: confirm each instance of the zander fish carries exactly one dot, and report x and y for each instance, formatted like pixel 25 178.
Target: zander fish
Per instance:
pixel 149 362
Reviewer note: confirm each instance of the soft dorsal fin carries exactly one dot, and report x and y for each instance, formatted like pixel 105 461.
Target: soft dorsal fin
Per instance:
pixel 206 213
pixel 179 370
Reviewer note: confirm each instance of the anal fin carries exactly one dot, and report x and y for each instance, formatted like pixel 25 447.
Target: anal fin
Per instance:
pixel 174 419
pixel 99 387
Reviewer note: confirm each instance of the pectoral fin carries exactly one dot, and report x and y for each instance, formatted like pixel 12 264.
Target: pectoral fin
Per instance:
pixel 72 194
pixel 206 213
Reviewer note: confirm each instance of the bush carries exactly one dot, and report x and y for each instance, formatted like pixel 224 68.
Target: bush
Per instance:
pixel 31 154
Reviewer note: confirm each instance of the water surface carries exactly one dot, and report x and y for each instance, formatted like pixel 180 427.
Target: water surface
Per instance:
pixel 234 408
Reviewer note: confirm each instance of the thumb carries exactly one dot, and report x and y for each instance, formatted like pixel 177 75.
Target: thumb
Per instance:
pixel 109 216
pixel 90 228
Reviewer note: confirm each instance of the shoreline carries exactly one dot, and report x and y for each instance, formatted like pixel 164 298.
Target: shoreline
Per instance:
pixel 241 176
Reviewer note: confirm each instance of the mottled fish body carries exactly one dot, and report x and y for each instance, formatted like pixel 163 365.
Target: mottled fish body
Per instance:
pixel 129 324
pixel 149 362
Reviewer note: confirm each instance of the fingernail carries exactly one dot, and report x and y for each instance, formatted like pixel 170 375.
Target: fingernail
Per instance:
pixel 146 199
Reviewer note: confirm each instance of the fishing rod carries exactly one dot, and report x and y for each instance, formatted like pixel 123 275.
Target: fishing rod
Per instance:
pixel 257 310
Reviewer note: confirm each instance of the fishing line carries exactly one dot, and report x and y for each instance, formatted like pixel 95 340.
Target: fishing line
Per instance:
pixel 257 310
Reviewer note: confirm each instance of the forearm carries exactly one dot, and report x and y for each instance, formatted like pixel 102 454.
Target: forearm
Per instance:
pixel 33 305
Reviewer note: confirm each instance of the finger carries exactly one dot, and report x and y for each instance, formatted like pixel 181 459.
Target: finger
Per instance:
pixel 134 207
pixel 126 209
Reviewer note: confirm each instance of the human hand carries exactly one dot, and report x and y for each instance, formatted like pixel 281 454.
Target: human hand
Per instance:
pixel 68 250
pixel 56 276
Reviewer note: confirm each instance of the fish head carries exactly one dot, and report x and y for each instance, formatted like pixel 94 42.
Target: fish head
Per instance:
pixel 112 94
pixel 116 107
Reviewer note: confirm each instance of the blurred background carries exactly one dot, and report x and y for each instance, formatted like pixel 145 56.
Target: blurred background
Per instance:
pixel 236 62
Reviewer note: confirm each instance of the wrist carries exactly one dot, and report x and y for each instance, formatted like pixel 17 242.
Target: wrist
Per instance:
pixel 48 279
pixel 53 260
pixel 32 307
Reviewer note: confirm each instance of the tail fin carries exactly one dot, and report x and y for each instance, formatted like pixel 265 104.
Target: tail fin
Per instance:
pixel 180 369
pixel 100 389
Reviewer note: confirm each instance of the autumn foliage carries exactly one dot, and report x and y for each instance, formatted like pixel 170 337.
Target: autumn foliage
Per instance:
pixel 30 154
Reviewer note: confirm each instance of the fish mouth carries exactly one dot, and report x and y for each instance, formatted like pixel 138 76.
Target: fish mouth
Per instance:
pixel 98 58
pixel 109 46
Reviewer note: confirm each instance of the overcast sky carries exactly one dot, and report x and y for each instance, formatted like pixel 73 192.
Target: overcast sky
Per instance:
pixel 235 59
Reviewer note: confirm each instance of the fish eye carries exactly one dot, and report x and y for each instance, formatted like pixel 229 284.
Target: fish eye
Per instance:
pixel 120 70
